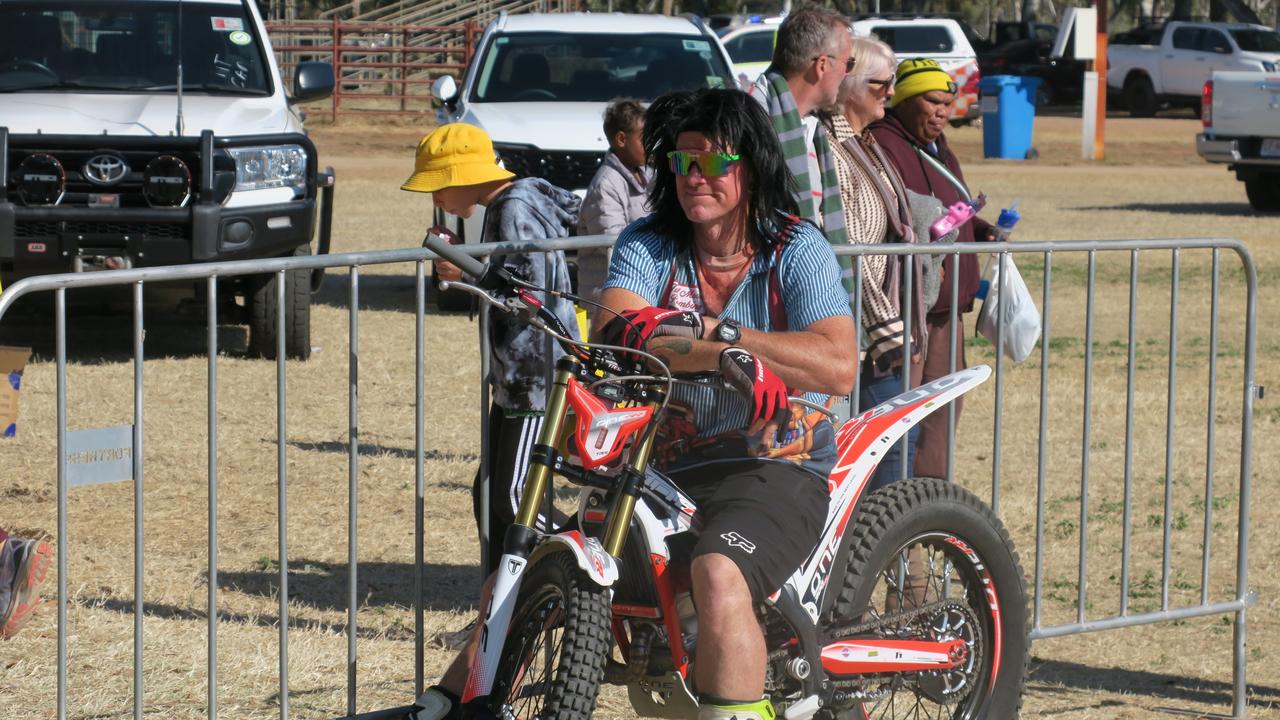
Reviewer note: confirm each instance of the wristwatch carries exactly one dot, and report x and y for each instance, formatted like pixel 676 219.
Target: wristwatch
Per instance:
pixel 728 332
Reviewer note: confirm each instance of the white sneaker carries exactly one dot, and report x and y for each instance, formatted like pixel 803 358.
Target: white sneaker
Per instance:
pixel 434 705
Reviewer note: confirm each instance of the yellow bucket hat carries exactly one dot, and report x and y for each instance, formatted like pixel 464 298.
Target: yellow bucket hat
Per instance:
pixel 454 155
pixel 919 76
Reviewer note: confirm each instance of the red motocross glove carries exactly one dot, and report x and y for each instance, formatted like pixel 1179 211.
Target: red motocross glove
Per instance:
pixel 633 328
pixel 745 373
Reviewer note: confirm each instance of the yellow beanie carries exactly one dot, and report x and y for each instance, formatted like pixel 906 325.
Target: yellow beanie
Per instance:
pixel 919 76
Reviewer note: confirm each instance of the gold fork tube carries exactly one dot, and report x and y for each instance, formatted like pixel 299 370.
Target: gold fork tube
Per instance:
pixel 615 536
pixel 535 486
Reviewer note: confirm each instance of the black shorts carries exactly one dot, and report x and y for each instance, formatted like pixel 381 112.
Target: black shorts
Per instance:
pixel 766 516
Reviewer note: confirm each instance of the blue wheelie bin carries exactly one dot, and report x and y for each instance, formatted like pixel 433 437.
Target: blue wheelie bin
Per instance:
pixel 1008 114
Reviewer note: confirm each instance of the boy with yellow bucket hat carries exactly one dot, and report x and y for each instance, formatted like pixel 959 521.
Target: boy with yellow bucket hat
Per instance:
pixel 456 163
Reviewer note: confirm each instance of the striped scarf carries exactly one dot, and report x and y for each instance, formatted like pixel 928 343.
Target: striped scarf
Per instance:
pixel 828 213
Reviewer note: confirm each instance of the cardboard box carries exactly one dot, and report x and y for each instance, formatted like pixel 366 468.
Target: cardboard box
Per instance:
pixel 12 362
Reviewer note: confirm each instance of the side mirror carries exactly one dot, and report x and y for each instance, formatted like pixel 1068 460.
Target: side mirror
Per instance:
pixel 312 81
pixel 445 89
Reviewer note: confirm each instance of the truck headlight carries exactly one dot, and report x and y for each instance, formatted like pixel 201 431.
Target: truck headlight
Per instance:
pixel 277 166
pixel 1268 66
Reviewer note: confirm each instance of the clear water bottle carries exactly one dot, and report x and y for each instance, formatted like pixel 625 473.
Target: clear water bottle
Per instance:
pixel 1008 218
pixel 1004 229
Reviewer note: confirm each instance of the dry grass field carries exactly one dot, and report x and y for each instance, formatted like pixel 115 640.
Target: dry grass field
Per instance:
pixel 1152 185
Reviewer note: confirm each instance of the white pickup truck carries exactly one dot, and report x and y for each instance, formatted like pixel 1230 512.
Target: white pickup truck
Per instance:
pixel 1242 128
pixel 1169 66
pixel 139 133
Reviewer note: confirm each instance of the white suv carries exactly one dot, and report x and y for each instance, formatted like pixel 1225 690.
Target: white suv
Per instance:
pixel 539 84
pixel 106 163
pixel 940 39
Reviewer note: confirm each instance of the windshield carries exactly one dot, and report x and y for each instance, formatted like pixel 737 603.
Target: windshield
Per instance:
pixel 1257 40
pixel 129 46
pixel 915 39
pixel 573 67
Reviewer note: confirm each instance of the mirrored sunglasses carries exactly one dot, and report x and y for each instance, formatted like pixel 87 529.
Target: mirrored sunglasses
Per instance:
pixel 709 164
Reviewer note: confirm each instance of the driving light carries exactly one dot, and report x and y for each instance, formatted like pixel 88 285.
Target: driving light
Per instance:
pixel 41 180
pixel 279 166
pixel 1268 66
pixel 166 182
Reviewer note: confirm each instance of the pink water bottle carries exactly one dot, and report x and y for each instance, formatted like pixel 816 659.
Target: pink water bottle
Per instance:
pixel 957 215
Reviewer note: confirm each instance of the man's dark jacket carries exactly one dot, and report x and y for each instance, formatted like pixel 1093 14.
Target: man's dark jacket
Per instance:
pixel 898 143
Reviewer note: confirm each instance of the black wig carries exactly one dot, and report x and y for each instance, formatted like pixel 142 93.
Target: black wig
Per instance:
pixel 734 122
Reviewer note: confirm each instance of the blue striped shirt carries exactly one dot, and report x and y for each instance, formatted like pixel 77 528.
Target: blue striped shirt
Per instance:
pixel 809 278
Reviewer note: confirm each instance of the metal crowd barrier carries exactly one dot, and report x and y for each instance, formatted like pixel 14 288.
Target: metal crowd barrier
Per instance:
pixel 1047 251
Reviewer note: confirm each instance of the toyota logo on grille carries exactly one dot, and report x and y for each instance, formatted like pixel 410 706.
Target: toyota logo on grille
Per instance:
pixel 105 169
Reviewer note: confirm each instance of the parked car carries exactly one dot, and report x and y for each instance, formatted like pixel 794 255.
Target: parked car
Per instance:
pixel 940 38
pixel 539 84
pixel 750 46
pixel 1173 70
pixel 109 164
pixel 1061 79
pixel 1242 129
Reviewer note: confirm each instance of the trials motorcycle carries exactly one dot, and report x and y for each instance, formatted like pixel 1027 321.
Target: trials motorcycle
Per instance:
pixel 912 604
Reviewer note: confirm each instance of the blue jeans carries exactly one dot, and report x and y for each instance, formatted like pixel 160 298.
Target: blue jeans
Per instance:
pixel 872 393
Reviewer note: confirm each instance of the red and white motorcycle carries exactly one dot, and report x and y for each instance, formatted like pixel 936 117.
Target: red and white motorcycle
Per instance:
pixel 912 604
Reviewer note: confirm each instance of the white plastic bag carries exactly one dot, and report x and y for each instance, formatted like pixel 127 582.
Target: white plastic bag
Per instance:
pixel 1023 319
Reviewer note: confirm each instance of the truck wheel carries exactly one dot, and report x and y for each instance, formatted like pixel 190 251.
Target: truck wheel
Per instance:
pixel 297 313
pixel 1140 97
pixel 1264 192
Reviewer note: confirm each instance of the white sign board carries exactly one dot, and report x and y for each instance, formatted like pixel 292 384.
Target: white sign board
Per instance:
pixel 99 456
pixel 1080 25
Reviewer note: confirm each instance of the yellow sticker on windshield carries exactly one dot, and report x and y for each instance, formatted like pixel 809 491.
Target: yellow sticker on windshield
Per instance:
pixel 240 37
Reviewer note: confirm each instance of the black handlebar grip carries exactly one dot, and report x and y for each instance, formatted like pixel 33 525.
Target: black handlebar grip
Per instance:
pixel 466 263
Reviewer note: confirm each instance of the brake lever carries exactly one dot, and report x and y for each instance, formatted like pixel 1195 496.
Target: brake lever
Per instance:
pixel 446 285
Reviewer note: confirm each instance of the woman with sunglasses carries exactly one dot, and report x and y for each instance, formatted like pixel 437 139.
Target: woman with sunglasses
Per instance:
pixel 876 211
pixel 723 277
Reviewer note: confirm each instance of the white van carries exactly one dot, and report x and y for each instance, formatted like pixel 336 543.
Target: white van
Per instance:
pixel 539 85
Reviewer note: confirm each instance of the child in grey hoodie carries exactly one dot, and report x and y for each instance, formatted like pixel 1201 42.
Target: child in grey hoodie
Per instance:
pixel 457 165
pixel 617 194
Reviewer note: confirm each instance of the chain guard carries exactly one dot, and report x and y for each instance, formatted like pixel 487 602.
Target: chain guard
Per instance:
pixel 941 686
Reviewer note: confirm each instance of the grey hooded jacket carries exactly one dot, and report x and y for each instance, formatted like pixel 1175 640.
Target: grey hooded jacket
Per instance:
pixel 615 198
pixel 530 209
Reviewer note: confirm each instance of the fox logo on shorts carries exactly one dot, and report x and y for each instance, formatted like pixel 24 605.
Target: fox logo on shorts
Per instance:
pixel 736 540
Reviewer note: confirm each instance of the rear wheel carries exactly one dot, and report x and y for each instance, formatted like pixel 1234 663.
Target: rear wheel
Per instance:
pixel 264 316
pixel 922 543
pixel 553 660
pixel 1140 97
pixel 1263 190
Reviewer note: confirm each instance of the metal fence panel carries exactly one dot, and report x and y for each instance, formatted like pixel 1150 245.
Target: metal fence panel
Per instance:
pixel 417 258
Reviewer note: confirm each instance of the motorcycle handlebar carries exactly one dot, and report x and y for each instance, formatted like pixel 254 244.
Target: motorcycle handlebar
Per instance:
pixel 466 263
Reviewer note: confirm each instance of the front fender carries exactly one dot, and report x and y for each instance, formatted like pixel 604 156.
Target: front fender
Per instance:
pixel 594 561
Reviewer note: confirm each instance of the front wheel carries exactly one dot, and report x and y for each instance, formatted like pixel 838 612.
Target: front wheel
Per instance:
pixel 1140 97
pixel 263 304
pixel 554 656
pixel 921 543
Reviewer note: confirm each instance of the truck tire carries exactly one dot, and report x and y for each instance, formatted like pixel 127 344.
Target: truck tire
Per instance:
pixel 1140 97
pixel 1263 190
pixel 297 313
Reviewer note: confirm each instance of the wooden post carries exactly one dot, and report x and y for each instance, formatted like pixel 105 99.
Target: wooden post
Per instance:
pixel 1100 66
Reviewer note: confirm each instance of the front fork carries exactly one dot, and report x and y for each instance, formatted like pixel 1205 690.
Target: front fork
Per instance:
pixel 522 536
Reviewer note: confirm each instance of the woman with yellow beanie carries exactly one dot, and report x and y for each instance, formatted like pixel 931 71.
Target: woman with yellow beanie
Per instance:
pixel 911 134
